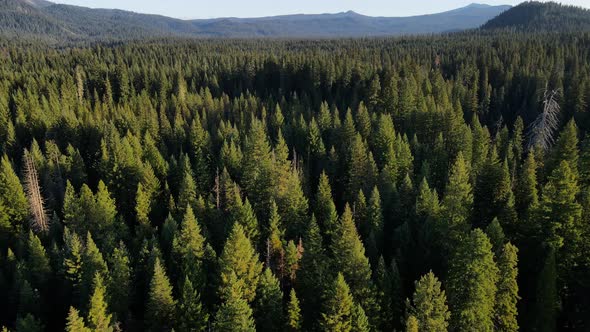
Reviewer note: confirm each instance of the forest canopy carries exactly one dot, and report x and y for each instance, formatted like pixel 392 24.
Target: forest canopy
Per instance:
pixel 420 183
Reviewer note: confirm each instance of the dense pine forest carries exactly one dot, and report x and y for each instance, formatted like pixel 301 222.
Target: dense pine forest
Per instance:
pixel 435 183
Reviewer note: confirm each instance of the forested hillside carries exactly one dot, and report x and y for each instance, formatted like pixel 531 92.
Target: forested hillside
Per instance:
pixel 535 16
pixel 58 23
pixel 414 184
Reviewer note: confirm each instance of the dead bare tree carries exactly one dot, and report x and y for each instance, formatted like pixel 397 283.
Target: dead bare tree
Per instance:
pixel 39 220
pixel 542 130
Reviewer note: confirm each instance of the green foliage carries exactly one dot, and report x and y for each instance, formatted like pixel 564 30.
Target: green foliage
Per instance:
pixel 293 313
pixel 188 249
pixel 98 317
pixel 235 313
pixel 457 199
pixel 160 306
pixel 127 140
pixel 428 310
pixel 472 284
pixel 191 315
pixel 268 305
pixel 350 259
pixel 75 323
pixel 120 281
pixel 506 311
pixel 338 307
pixel 239 260
pixel 325 209
pixel 12 195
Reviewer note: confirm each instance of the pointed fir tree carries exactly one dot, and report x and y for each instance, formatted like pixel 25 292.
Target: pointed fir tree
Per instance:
pixel 472 284
pixel 325 209
pixel 274 245
pixel 188 249
pixel 75 323
pixel 496 235
pixel 314 272
pixel 12 195
pixel 257 172
pixel 458 199
pixel 240 259
pixel 338 307
pixel 546 306
pixel 293 323
pixel 360 322
pixel 37 262
pixel 72 263
pixel 565 149
pixel 428 305
pixel 412 324
pixel 235 313
pixel 191 315
pixel 561 214
pixel 98 317
pixel 120 281
pixel 350 259
pixel 268 305
pixel 527 197
pixel 160 306
pixel 92 263
pixel 506 311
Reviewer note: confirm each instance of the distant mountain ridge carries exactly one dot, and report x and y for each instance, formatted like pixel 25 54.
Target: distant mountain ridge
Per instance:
pixel 536 16
pixel 43 19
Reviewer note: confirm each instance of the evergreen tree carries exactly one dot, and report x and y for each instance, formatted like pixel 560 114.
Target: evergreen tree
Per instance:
pixel 527 198
pixel 37 261
pixel 239 259
pixel 360 322
pixel 188 249
pixel 506 311
pixel 547 298
pixel 458 199
pixel 338 307
pixel 75 323
pixel 472 284
pixel 350 259
pixel 191 315
pixel 120 281
pixel 293 313
pixel 325 209
pixel 561 213
pixel 257 167
pixel 275 252
pixel 12 195
pixel 72 262
pixel 412 324
pixel 235 313
pixel 98 317
pixel 565 149
pixel 160 306
pixel 428 306
pixel 92 263
pixel 268 305
pixel 314 272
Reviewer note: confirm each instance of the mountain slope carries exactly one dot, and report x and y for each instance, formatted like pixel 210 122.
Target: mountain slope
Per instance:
pixel 43 19
pixel 349 24
pixel 542 17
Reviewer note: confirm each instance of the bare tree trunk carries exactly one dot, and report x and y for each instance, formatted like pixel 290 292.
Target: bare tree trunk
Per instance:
pixel 40 220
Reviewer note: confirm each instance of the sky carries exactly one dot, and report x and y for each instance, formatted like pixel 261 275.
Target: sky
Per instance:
pixel 193 9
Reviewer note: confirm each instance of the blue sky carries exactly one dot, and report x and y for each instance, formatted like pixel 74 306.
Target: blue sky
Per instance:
pixel 256 8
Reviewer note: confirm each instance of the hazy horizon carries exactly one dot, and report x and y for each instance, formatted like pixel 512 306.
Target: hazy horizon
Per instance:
pixel 187 9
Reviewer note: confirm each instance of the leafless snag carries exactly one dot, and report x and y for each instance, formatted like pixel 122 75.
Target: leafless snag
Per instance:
pixel 40 220
pixel 542 130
